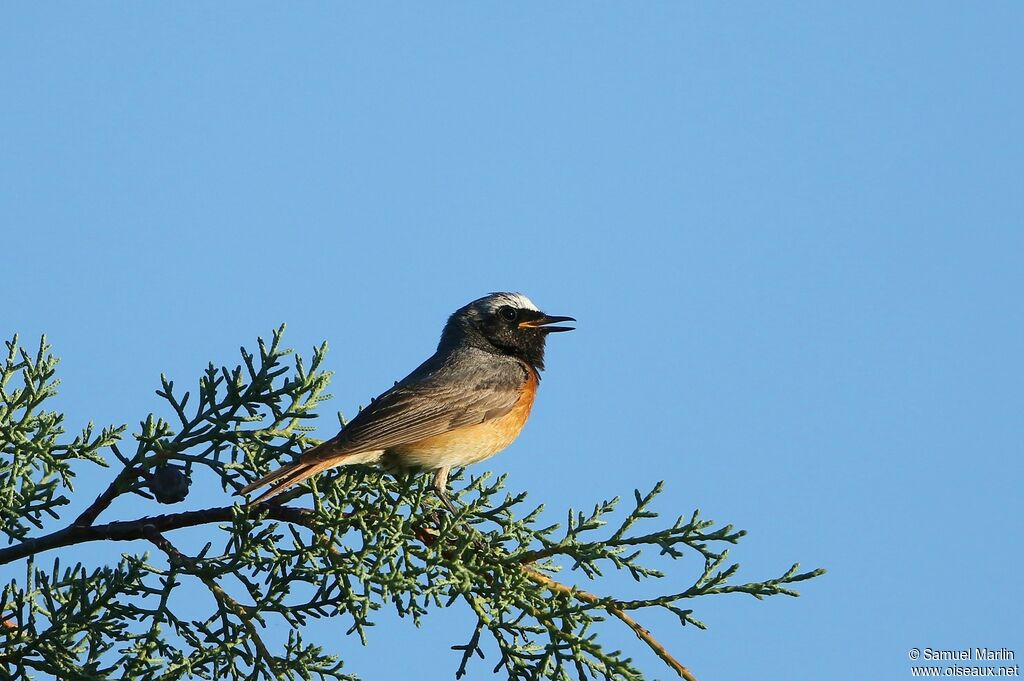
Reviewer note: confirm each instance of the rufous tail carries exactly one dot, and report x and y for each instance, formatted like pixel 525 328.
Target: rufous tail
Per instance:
pixel 309 464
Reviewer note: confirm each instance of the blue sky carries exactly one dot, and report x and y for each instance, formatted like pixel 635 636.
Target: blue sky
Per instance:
pixel 792 235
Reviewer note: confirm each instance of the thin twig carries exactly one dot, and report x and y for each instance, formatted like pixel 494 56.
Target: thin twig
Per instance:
pixel 89 515
pixel 226 601
pixel 641 633
pixel 540 554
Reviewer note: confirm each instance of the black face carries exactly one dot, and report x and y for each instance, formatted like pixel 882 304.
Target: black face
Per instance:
pixel 505 329
pixel 520 332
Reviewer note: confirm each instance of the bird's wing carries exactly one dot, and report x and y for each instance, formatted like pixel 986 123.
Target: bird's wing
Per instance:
pixel 430 401
pixel 409 413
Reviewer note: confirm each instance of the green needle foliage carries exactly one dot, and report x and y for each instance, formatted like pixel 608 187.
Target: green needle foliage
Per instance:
pixel 346 546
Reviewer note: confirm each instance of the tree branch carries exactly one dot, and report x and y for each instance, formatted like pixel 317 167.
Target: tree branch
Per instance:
pixel 89 515
pixel 149 527
pixel 129 530
pixel 640 632
pixel 243 614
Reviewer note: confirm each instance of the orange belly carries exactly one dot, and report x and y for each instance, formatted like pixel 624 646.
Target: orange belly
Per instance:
pixel 469 444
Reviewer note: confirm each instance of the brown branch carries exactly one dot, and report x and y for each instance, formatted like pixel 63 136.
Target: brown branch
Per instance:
pixel 540 554
pixel 89 515
pixel 640 632
pixel 118 486
pixel 226 601
pixel 129 530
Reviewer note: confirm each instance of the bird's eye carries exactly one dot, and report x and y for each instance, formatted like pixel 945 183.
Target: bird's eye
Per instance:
pixel 508 313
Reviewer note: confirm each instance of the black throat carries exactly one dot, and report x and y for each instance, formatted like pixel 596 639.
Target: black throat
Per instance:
pixel 525 345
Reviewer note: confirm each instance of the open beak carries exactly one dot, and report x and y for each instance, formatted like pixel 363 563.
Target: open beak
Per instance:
pixel 543 321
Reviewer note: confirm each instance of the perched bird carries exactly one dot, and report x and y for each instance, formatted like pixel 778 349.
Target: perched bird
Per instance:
pixel 466 403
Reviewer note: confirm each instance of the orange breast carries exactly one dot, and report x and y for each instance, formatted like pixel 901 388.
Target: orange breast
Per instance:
pixel 470 444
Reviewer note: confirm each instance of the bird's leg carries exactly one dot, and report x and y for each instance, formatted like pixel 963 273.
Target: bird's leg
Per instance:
pixel 441 487
pixel 429 534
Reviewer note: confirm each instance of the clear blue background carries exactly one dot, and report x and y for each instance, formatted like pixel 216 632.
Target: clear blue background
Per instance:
pixel 792 235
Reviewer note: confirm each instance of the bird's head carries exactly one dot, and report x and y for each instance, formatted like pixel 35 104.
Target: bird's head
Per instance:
pixel 503 323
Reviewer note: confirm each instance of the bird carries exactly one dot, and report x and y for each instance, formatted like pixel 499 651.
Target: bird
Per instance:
pixel 464 404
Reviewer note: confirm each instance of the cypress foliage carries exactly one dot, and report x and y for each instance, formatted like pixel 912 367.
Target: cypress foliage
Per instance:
pixel 350 545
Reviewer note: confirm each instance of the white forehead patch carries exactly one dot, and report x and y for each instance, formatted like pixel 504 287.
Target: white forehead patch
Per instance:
pixel 516 300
